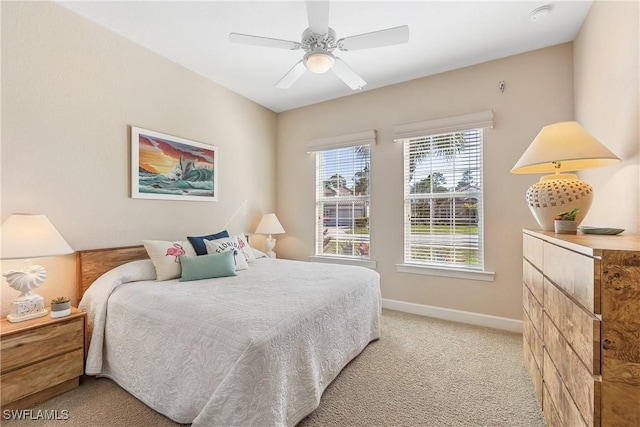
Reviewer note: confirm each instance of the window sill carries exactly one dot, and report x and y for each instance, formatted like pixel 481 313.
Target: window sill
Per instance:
pixel 486 276
pixel 345 261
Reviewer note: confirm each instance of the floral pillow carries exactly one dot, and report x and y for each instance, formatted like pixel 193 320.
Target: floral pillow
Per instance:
pixel 228 244
pixel 166 255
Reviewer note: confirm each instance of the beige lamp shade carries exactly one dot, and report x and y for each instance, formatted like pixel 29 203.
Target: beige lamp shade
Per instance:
pixel 269 224
pixel 31 236
pixel 557 149
pixel 561 147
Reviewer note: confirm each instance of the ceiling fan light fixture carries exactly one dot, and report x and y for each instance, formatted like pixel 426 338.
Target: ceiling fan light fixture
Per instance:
pixel 319 61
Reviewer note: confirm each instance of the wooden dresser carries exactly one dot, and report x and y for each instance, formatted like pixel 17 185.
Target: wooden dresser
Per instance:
pixel 581 327
pixel 40 358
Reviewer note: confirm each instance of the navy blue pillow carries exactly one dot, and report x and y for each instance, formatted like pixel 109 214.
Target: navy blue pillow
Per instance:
pixel 198 242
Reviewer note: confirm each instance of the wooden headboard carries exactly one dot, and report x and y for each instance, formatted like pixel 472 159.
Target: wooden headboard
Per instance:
pixel 93 263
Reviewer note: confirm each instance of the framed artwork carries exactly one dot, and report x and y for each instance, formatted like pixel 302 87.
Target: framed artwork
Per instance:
pixel 171 168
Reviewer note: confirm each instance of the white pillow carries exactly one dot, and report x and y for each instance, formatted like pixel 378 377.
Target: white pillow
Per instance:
pixel 245 248
pixel 135 271
pixel 258 254
pixel 166 256
pixel 228 244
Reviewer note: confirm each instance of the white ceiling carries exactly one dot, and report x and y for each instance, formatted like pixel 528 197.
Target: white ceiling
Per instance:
pixel 444 35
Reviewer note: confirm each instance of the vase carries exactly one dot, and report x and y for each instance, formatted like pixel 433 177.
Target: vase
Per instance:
pixel 562 226
pixel 61 310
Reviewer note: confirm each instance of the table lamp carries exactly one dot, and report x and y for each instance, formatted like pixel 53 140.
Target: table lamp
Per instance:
pixel 269 224
pixel 559 148
pixel 29 236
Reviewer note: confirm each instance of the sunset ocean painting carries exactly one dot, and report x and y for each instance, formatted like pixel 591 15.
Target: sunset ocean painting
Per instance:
pixel 172 168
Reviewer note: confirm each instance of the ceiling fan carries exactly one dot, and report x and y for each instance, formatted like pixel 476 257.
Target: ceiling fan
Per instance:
pixel 319 41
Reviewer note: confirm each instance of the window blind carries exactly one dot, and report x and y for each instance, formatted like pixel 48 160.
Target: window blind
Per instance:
pixel 443 199
pixel 342 201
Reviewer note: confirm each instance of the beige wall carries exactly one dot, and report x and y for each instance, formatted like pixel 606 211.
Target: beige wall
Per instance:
pixel 607 93
pixel 538 92
pixel 70 89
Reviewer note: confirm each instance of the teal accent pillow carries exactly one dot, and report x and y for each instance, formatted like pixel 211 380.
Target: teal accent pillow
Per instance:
pixel 207 266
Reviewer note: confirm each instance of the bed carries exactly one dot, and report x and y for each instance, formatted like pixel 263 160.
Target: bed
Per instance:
pixel 256 349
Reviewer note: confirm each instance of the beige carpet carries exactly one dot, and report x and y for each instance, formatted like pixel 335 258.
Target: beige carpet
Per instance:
pixel 422 372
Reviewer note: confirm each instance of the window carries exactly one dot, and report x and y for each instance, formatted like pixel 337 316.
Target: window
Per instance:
pixel 443 170
pixel 443 199
pixel 342 201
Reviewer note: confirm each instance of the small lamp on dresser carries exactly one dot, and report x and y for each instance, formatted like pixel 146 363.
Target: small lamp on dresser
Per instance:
pixel 27 236
pixel 560 149
pixel 269 224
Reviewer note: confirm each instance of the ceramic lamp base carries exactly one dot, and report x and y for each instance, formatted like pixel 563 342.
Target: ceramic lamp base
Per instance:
pixel 269 245
pixel 558 193
pixel 27 307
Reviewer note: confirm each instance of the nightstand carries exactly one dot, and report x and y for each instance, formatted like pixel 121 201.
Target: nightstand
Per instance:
pixel 40 358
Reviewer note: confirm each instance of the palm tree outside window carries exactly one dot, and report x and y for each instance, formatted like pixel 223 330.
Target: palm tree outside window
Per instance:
pixel 443 199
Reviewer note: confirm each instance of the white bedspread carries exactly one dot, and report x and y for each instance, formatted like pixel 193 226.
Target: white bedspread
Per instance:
pixel 254 349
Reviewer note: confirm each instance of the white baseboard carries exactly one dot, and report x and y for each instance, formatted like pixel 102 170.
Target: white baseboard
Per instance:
pixel 489 321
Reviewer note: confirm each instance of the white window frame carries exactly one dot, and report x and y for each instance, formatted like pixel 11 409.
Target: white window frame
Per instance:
pixel 318 146
pixel 404 133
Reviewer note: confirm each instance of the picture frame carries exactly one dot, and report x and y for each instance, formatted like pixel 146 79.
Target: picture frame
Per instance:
pixel 168 167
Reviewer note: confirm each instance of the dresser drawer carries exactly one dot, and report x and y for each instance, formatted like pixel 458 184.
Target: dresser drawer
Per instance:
pixel 557 404
pixel 534 340
pixel 532 250
pixel 533 279
pixel 31 379
pixel 582 387
pixel 580 328
pixel 578 275
pixel 532 308
pixel 32 346
pixel 551 415
pixel 535 371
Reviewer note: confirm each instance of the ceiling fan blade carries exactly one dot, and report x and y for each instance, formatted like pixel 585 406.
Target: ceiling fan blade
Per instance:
pixel 347 75
pixel 263 41
pixel 318 15
pixel 388 37
pixel 292 76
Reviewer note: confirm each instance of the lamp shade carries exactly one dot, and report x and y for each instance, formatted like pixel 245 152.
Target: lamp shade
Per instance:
pixel 269 224
pixel 31 236
pixel 562 147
